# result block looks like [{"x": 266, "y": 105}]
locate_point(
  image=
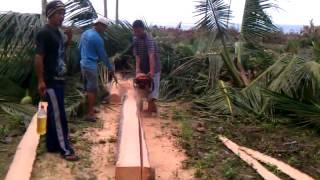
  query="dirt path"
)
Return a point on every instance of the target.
[
  {"x": 96, "y": 147},
  {"x": 165, "y": 154}
]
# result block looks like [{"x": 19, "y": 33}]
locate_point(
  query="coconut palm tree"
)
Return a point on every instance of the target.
[
  {"x": 105, "y": 5},
  {"x": 117, "y": 11},
  {"x": 43, "y": 11},
  {"x": 215, "y": 15}
]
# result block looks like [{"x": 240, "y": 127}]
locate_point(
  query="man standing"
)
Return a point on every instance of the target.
[
  {"x": 51, "y": 70},
  {"x": 92, "y": 49},
  {"x": 147, "y": 57}
]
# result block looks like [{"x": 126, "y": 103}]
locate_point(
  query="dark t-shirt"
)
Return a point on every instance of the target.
[
  {"x": 50, "y": 44},
  {"x": 142, "y": 47}
]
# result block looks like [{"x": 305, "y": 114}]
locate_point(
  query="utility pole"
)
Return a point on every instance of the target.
[
  {"x": 43, "y": 11},
  {"x": 117, "y": 11},
  {"x": 105, "y": 3}
]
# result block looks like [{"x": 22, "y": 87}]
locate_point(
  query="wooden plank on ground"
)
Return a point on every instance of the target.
[
  {"x": 132, "y": 163},
  {"x": 265, "y": 173},
  {"x": 287, "y": 169},
  {"x": 21, "y": 166}
]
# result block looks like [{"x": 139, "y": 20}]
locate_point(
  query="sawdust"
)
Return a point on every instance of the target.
[{"x": 164, "y": 152}]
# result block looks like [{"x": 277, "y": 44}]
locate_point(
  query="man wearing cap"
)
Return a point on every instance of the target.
[
  {"x": 51, "y": 69},
  {"x": 147, "y": 57},
  {"x": 92, "y": 49}
]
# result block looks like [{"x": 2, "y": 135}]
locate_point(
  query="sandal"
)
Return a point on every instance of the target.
[
  {"x": 71, "y": 157},
  {"x": 91, "y": 118},
  {"x": 96, "y": 110}
]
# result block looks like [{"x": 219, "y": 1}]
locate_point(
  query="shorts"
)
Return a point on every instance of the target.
[
  {"x": 156, "y": 85},
  {"x": 90, "y": 80}
]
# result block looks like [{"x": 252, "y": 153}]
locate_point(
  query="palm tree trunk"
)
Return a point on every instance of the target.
[
  {"x": 240, "y": 47},
  {"x": 117, "y": 11},
  {"x": 229, "y": 11},
  {"x": 230, "y": 65},
  {"x": 105, "y": 3},
  {"x": 43, "y": 11}
]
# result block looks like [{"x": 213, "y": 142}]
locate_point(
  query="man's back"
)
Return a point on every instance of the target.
[{"x": 90, "y": 43}]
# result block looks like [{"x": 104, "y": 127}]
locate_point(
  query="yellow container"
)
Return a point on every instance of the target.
[
  {"x": 42, "y": 121},
  {"x": 42, "y": 125}
]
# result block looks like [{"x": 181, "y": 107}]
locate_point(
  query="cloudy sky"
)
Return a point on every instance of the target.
[{"x": 171, "y": 12}]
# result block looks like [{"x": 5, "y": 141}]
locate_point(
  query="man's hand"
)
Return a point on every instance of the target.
[
  {"x": 42, "y": 88},
  {"x": 68, "y": 33},
  {"x": 151, "y": 74},
  {"x": 138, "y": 70},
  {"x": 113, "y": 76}
]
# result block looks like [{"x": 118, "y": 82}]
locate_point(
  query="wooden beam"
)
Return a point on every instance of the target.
[
  {"x": 132, "y": 159},
  {"x": 265, "y": 173},
  {"x": 21, "y": 166}
]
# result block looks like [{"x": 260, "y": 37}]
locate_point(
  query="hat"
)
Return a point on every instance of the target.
[
  {"x": 53, "y": 7},
  {"x": 138, "y": 24},
  {"x": 101, "y": 20}
]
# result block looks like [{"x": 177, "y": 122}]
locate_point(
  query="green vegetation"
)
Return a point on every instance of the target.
[{"x": 259, "y": 86}]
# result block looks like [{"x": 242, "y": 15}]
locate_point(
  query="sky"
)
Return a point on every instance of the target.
[{"x": 171, "y": 12}]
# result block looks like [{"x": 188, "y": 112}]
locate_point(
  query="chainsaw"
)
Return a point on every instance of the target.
[
  {"x": 143, "y": 85},
  {"x": 143, "y": 82}
]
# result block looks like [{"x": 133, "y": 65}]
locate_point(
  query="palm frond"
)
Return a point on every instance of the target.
[
  {"x": 17, "y": 34},
  {"x": 250, "y": 101},
  {"x": 22, "y": 112},
  {"x": 307, "y": 112},
  {"x": 256, "y": 22},
  {"x": 214, "y": 16},
  {"x": 213, "y": 102},
  {"x": 118, "y": 38},
  {"x": 79, "y": 13}
]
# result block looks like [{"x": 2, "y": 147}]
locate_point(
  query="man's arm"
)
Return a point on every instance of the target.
[
  {"x": 138, "y": 62},
  {"x": 102, "y": 54},
  {"x": 152, "y": 63},
  {"x": 138, "y": 59},
  {"x": 40, "y": 71},
  {"x": 151, "y": 45},
  {"x": 68, "y": 33},
  {"x": 39, "y": 62}
]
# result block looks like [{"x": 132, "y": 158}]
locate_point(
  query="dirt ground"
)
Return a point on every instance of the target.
[
  {"x": 11, "y": 132},
  {"x": 165, "y": 154},
  {"x": 295, "y": 145},
  {"x": 94, "y": 143},
  {"x": 96, "y": 146}
]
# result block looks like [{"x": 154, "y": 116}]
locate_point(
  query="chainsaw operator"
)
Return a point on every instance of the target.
[{"x": 147, "y": 58}]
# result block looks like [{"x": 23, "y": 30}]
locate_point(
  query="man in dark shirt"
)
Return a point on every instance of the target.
[
  {"x": 147, "y": 57},
  {"x": 51, "y": 69}
]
